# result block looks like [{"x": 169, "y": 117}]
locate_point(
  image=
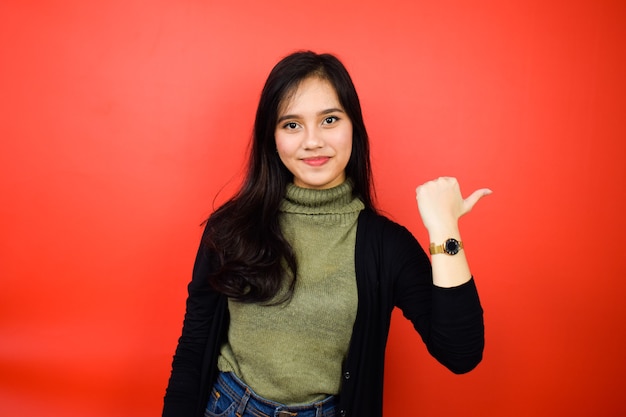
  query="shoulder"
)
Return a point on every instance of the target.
[
  {"x": 369, "y": 220},
  {"x": 387, "y": 252},
  {"x": 377, "y": 227}
]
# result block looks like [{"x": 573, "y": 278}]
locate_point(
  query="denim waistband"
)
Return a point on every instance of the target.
[{"x": 254, "y": 405}]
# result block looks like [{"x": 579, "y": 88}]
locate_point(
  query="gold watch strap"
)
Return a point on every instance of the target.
[{"x": 435, "y": 248}]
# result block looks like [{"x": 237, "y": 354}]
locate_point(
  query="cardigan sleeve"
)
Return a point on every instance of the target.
[
  {"x": 449, "y": 320},
  {"x": 183, "y": 392}
]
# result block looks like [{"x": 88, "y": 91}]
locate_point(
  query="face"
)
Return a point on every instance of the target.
[{"x": 314, "y": 135}]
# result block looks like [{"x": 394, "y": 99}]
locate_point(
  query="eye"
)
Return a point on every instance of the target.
[
  {"x": 330, "y": 120},
  {"x": 290, "y": 125}
]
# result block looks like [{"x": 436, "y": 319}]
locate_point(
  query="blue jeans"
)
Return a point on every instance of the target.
[{"x": 230, "y": 397}]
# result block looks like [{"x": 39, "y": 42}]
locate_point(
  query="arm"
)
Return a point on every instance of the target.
[
  {"x": 183, "y": 390},
  {"x": 448, "y": 314},
  {"x": 449, "y": 320}
]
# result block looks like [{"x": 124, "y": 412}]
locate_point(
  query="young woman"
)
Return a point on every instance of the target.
[{"x": 297, "y": 275}]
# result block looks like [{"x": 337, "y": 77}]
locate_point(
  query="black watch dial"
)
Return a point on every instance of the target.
[{"x": 451, "y": 247}]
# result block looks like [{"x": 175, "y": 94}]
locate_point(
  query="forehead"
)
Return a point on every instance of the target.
[{"x": 310, "y": 93}]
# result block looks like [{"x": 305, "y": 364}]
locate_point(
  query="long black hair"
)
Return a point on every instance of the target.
[{"x": 254, "y": 257}]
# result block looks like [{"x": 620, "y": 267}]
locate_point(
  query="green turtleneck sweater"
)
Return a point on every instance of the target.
[{"x": 292, "y": 353}]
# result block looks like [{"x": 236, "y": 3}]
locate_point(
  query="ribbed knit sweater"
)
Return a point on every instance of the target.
[{"x": 292, "y": 353}]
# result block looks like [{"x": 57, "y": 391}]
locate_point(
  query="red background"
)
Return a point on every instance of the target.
[{"x": 120, "y": 121}]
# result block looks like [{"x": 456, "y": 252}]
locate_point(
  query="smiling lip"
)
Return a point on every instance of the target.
[{"x": 316, "y": 161}]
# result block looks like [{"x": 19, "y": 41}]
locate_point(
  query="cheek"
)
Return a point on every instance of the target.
[
  {"x": 284, "y": 148},
  {"x": 279, "y": 142},
  {"x": 281, "y": 148},
  {"x": 346, "y": 141}
]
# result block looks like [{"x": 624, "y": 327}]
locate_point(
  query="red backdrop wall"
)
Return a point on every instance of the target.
[{"x": 120, "y": 122}]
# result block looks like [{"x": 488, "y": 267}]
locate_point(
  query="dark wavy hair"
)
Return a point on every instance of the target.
[{"x": 254, "y": 257}]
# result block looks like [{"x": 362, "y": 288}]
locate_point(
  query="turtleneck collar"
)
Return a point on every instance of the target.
[{"x": 336, "y": 200}]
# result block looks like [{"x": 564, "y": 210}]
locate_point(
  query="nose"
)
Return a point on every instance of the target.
[{"x": 313, "y": 139}]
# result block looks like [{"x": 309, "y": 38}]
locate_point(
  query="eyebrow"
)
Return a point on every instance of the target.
[{"x": 323, "y": 112}]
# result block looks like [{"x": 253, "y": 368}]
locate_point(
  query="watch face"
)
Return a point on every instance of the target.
[{"x": 452, "y": 247}]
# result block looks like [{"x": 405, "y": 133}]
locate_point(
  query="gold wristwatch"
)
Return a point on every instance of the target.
[{"x": 450, "y": 247}]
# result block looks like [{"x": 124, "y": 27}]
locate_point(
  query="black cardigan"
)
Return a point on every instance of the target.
[{"x": 392, "y": 270}]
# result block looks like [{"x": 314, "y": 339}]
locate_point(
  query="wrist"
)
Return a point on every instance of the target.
[
  {"x": 441, "y": 233},
  {"x": 450, "y": 247}
]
